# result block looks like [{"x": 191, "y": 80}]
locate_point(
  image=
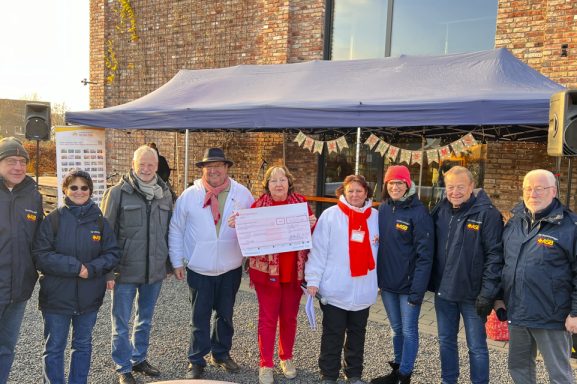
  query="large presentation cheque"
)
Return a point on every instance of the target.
[{"x": 267, "y": 230}]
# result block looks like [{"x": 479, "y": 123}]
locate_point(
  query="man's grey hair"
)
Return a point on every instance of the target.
[
  {"x": 459, "y": 170},
  {"x": 143, "y": 149},
  {"x": 551, "y": 180}
]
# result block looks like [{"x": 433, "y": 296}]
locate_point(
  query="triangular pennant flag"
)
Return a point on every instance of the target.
[
  {"x": 445, "y": 152},
  {"x": 332, "y": 146},
  {"x": 300, "y": 138},
  {"x": 382, "y": 147},
  {"x": 309, "y": 143},
  {"x": 393, "y": 153},
  {"x": 342, "y": 143},
  {"x": 432, "y": 156},
  {"x": 458, "y": 146},
  {"x": 469, "y": 140},
  {"x": 417, "y": 157},
  {"x": 372, "y": 141},
  {"x": 405, "y": 156},
  {"x": 319, "y": 145}
]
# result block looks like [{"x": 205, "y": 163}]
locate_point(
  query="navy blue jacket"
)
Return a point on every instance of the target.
[
  {"x": 20, "y": 215},
  {"x": 59, "y": 258},
  {"x": 540, "y": 272},
  {"x": 469, "y": 249},
  {"x": 406, "y": 247}
]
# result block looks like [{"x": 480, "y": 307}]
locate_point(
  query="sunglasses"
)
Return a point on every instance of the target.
[{"x": 75, "y": 188}]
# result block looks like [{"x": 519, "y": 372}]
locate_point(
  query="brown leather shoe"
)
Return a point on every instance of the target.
[{"x": 227, "y": 363}]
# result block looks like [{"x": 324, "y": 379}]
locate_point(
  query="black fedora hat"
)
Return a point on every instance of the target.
[{"x": 212, "y": 155}]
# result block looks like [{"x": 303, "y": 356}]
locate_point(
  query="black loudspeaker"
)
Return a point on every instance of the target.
[
  {"x": 562, "y": 138},
  {"x": 37, "y": 121}
]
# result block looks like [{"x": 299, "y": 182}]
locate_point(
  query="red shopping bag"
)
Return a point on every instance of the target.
[{"x": 496, "y": 330}]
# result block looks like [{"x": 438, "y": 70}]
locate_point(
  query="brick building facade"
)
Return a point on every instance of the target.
[{"x": 137, "y": 46}]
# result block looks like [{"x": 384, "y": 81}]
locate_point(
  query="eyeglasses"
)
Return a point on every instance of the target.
[
  {"x": 280, "y": 181},
  {"x": 539, "y": 191},
  {"x": 215, "y": 166},
  {"x": 75, "y": 188},
  {"x": 14, "y": 162},
  {"x": 397, "y": 184}
]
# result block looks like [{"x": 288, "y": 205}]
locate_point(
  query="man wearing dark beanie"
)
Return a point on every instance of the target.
[{"x": 20, "y": 214}]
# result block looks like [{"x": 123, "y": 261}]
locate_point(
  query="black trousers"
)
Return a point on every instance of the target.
[{"x": 342, "y": 329}]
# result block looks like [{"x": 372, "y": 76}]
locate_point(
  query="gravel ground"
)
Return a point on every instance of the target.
[{"x": 170, "y": 338}]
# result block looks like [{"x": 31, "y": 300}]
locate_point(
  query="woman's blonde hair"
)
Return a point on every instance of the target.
[{"x": 278, "y": 168}]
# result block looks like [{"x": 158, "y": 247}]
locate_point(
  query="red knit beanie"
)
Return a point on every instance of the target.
[{"x": 398, "y": 172}]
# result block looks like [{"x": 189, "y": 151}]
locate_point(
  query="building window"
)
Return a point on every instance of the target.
[{"x": 380, "y": 28}]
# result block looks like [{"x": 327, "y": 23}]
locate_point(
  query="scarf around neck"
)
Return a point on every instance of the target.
[
  {"x": 360, "y": 253},
  {"x": 150, "y": 190},
  {"x": 211, "y": 197}
]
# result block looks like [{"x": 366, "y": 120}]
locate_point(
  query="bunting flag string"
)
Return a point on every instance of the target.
[
  {"x": 317, "y": 146},
  {"x": 376, "y": 144}
]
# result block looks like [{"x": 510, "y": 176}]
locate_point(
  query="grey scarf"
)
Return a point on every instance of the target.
[{"x": 151, "y": 189}]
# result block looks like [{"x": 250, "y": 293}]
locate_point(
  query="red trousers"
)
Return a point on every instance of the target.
[{"x": 277, "y": 304}]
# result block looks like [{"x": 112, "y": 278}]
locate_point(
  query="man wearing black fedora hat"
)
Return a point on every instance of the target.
[{"x": 212, "y": 257}]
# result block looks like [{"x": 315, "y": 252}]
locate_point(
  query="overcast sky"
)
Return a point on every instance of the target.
[{"x": 45, "y": 50}]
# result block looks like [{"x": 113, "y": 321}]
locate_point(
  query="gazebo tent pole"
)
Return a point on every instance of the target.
[
  {"x": 185, "y": 178},
  {"x": 358, "y": 154},
  {"x": 423, "y": 141}
]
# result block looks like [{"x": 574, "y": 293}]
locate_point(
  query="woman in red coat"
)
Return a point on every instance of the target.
[{"x": 277, "y": 280}]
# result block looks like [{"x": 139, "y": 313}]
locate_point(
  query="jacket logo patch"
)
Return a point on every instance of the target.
[
  {"x": 96, "y": 236},
  {"x": 31, "y": 215},
  {"x": 473, "y": 225},
  {"x": 402, "y": 227},
  {"x": 545, "y": 242}
]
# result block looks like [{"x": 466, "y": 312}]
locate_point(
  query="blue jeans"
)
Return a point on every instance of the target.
[
  {"x": 448, "y": 314},
  {"x": 404, "y": 321},
  {"x": 208, "y": 294},
  {"x": 56, "y": 329},
  {"x": 129, "y": 350},
  {"x": 11, "y": 316}
]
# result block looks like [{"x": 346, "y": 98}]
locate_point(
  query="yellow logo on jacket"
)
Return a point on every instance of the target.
[
  {"x": 473, "y": 226},
  {"x": 96, "y": 236},
  {"x": 545, "y": 242},
  {"x": 30, "y": 217},
  {"x": 402, "y": 227}
]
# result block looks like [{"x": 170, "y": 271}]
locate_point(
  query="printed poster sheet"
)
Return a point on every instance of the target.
[
  {"x": 267, "y": 230},
  {"x": 84, "y": 148}
]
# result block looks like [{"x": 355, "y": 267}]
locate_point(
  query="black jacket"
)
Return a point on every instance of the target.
[
  {"x": 540, "y": 273},
  {"x": 20, "y": 214},
  {"x": 406, "y": 247},
  {"x": 79, "y": 240},
  {"x": 469, "y": 250}
]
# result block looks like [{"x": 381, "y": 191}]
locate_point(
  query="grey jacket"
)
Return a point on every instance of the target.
[
  {"x": 20, "y": 214},
  {"x": 141, "y": 228}
]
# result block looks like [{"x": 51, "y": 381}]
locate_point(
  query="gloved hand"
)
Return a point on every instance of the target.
[{"x": 484, "y": 307}]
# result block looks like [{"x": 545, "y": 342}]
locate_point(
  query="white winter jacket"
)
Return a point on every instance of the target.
[
  {"x": 192, "y": 236},
  {"x": 328, "y": 266}
]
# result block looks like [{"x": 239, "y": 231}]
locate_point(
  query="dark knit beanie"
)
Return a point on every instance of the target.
[{"x": 11, "y": 146}]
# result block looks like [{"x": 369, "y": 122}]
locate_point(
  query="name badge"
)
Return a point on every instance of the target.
[{"x": 357, "y": 236}]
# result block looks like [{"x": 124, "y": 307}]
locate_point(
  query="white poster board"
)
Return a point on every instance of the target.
[
  {"x": 267, "y": 230},
  {"x": 81, "y": 147}
]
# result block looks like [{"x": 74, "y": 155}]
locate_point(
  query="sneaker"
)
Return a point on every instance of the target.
[
  {"x": 265, "y": 375},
  {"x": 355, "y": 380},
  {"x": 288, "y": 368},
  {"x": 147, "y": 369},
  {"x": 227, "y": 363},
  {"x": 195, "y": 371},
  {"x": 126, "y": 378}
]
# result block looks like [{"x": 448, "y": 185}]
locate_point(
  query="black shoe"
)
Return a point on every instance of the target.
[
  {"x": 227, "y": 363},
  {"x": 126, "y": 378},
  {"x": 391, "y": 378},
  {"x": 195, "y": 371},
  {"x": 145, "y": 367}
]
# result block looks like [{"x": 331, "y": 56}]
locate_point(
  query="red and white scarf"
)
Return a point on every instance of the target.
[
  {"x": 211, "y": 197},
  {"x": 360, "y": 254}
]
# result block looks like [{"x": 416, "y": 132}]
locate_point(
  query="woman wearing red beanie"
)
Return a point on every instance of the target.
[{"x": 404, "y": 261}]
